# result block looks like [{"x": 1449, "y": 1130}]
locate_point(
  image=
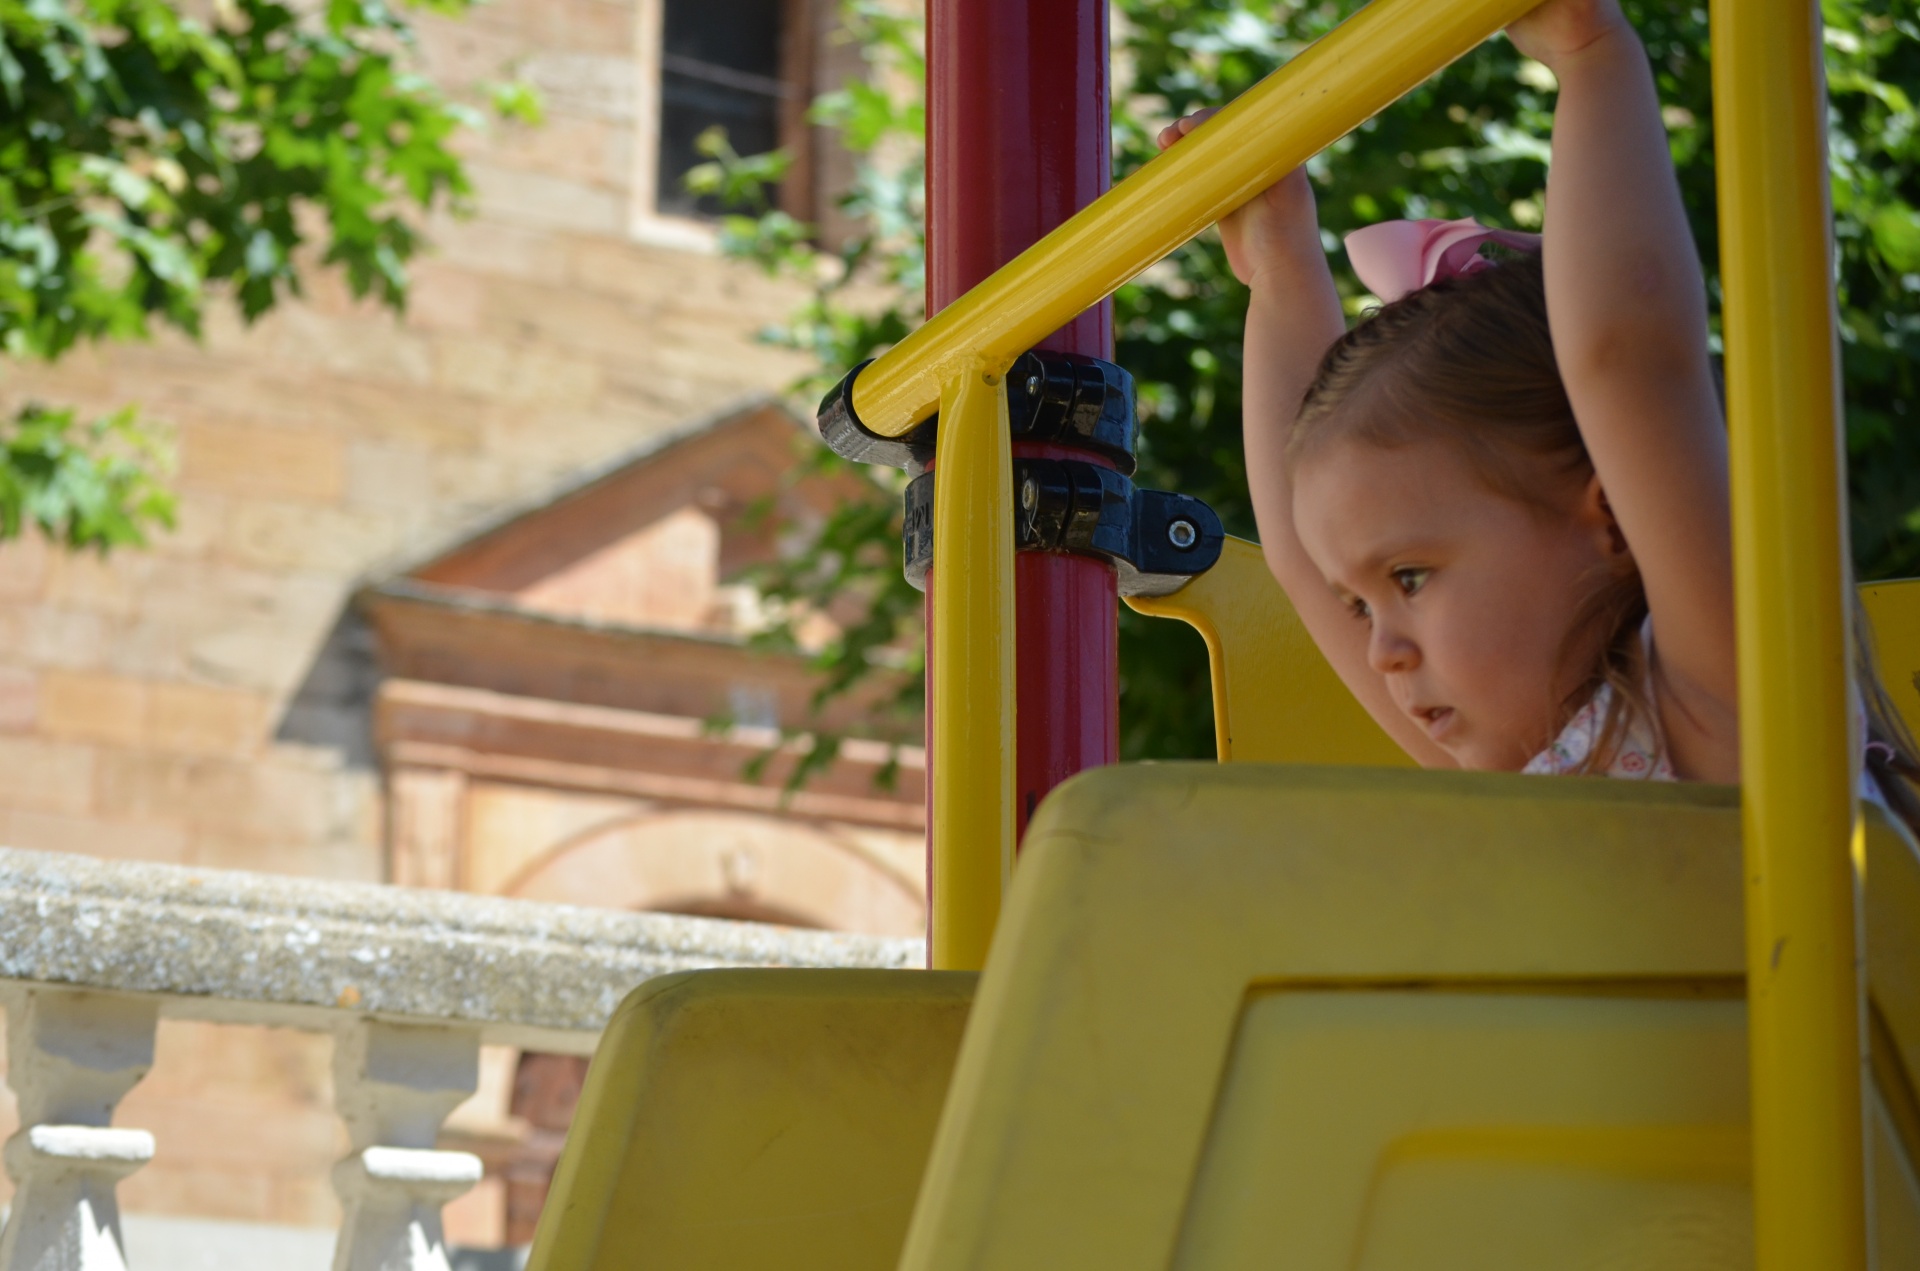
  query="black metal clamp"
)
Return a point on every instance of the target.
[{"x": 1155, "y": 539}]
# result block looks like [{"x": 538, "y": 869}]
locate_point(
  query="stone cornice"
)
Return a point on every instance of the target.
[
  {"x": 225, "y": 945},
  {"x": 566, "y": 746}
]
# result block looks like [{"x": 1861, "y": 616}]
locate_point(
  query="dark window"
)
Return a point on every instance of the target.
[{"x": 720, "y": 64}]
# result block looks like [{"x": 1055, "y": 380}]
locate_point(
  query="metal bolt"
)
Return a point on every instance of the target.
[
  {"x": 1183, "y": 534},
  {"x": 1029, "y": 494},
  {"x": 1033, "y": 385}
]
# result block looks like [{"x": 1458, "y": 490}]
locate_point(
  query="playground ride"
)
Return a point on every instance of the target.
[{"x": 1294, "y": 1014}]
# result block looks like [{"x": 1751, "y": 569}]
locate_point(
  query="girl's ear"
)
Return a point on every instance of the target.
[{"x": 1597, "y": 513}]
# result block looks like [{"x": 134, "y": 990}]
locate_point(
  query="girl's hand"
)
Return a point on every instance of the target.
[
  {"x": 1276, "y": 231},
  {"x": 1559, "y": 29},
  {"x": 1293, "y": 316}
]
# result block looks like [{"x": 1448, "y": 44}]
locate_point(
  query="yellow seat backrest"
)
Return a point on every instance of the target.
[
  {"x": 755, "y": 1120},
  {"x": 1243, "y": 1016},
  {"x": 1276, "y": 700},
  {"x": 1893, "y": 612}
]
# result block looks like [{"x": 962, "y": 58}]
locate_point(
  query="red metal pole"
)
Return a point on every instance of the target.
[{"x": 1018, "y": 140}]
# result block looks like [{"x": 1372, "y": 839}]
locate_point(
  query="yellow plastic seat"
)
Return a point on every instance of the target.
[
  {"x": 1337, "y": 1018},
  {"x": 742, "y": 1119}
]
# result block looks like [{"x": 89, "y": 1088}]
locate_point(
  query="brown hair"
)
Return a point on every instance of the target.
[{"x": 1469, "y": 361}]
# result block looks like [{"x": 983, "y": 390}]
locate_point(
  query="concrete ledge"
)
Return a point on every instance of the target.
[{"x": 256, "y": 948}]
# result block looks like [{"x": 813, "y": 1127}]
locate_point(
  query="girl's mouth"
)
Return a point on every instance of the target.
[{"x": 1437, "y": 720}]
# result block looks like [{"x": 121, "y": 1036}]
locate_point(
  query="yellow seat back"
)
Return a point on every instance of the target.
[
  {"x": 1327, "y": 1019},
  {"x": 755, "y": 1120},
  {"x": 1275, "y": 699}
]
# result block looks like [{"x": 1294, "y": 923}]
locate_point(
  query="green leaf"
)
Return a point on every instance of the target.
[
  {"x": 1896, "y": 234},
  {"x": 215, "y": 145},
  {"x": 517, "y": 100},
  {"x": 95, "y": 485},
  {"x": 150, "y": 163}
]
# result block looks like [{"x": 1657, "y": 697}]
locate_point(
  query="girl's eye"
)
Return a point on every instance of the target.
[
  {"x": 1411, "y": 580},
  {"x": 1358, "y": 608}
]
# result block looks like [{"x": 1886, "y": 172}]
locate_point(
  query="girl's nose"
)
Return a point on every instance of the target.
[{"x": 1388, "y": 650}]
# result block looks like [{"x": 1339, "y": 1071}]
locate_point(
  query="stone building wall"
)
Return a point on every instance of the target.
[
  {"x": 140, "y": 693},
  {"x": 144, "y": 696}
]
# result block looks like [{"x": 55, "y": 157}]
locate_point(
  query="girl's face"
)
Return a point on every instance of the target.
[{"x": 1468, "y": 597}]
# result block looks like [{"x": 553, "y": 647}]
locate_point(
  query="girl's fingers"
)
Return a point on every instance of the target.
[{"x": 1184, "y": 125}]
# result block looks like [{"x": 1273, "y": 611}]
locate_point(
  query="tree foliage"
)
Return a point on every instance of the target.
[
  {"x": 91, "y": 485},
  {"x": 1472, "y": 140},
  {"x": 152, "y": 163},
  {"x": 864, "y": 295}
]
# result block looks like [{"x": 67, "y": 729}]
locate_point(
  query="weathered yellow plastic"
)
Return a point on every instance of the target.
[
  {"x": 755, "y": 1120},
  {"x": 1275, "y": 699},
  {"x": 1336, "y": 1018},
  {"x": 1893, "y": 613},
  {"x": 1373, "y": 1019}
]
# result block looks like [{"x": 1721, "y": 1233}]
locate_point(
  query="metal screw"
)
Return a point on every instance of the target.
[
  {"x": 1183, "y": 534},
  {"x": 1033, "y": 385},
  {"x": 1029, "y": 494}
]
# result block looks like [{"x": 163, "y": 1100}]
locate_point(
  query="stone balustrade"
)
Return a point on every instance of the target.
[{"x": 410, "y": 983}]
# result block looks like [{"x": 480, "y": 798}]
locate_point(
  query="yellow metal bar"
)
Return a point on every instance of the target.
[
  {"x": 972, "y": 667},
  {"x": 1358, "y": 69},
  {"x": 1789, "y": 558}
]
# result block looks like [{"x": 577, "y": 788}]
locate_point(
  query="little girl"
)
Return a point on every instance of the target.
[{"x": 1500, "y": 502}]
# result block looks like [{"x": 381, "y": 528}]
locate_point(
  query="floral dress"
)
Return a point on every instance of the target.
[{"x": 1640, "y": 755}]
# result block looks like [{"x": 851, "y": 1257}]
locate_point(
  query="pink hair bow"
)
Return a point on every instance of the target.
[{"x": 1395, "y": 258}]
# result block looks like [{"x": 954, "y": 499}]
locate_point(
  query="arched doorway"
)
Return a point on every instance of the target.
[{"x": 725, "y": 864}]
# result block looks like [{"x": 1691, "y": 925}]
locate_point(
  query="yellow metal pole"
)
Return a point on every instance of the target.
[
  {"x": 1358, "y": 69},
  {"x": 1790, "y": 566},
  {"x": 972, "y": 667}
]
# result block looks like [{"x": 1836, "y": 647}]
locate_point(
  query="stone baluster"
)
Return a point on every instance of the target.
[
  {"x": 395, "y": 1085},
  {"x": 71, "y": 1057}
]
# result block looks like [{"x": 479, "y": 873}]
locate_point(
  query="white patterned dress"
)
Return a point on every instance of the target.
[{"x": 1640, "y": 754}]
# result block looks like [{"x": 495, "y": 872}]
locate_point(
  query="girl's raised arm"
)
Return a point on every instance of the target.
[
  {"x": 1627, "y": 305},
  {"x": 1293, "y": 318}
]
